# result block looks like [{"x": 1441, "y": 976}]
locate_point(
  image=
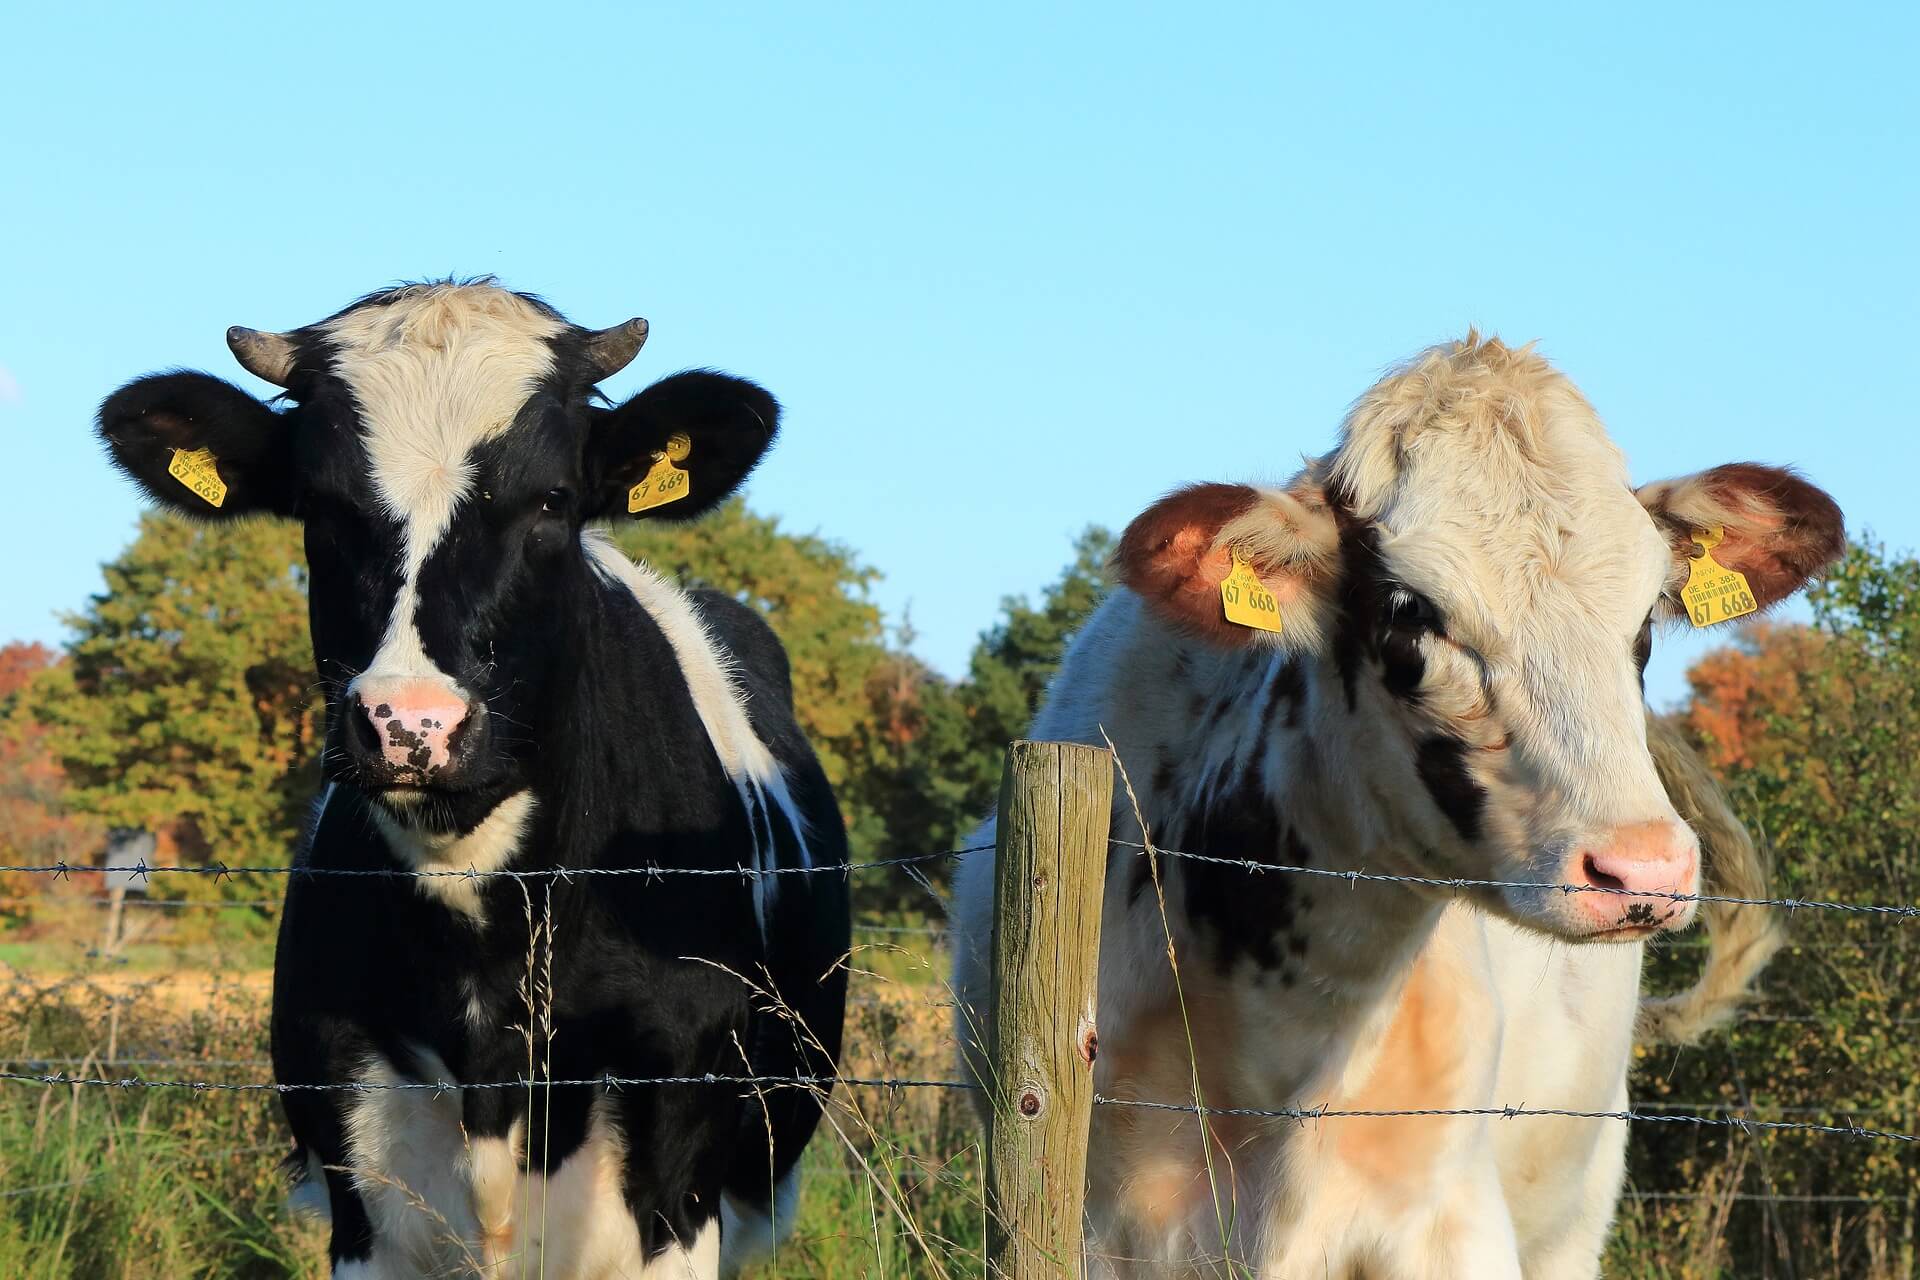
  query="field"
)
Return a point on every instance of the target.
[{"x": 98, "y": 1182}]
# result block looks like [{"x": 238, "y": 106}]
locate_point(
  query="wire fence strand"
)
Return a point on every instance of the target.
[
  {"x": 1705, "y": 1115},
  {"x": 221, "y": 871},
  {"x": 1456, "y": 884},
  {"x": 1514, "y": 1113}
]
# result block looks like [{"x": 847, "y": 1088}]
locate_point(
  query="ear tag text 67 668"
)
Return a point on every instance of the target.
[
  {"x": 1715, "y": 593},
  {"x": 195, "y": 469},
  {"x": 1246, "y": 600},
  {"x": 663, "y": 482}
]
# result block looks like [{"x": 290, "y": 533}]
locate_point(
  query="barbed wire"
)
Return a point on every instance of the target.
[
  {"x": 1457, "y": 883},
  {"x": 1694, "y": 1114},
  {"x": 1511, "y": 1113},
  {"x": 612, "y": 1082},
  {"x": 1253, "y": 866},
  {"x": 221, "y": 871},
  {"x": 1761, "y": 1197},
  {"x": 826, "y": 1083}
]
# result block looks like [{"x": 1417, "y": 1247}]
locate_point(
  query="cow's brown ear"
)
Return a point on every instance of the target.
[
  {"x": 1177, "y": 553},
  {"x": 1779, "y": 529}
]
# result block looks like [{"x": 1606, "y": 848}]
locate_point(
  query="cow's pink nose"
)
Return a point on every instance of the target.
[
  {"x": 407, "y": 723},
  {"x": 1659, "y": 858}
]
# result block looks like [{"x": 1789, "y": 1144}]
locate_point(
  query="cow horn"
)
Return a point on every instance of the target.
[
  {"x": 268, "y": 356},
  {"x": 611, "y": 350}
]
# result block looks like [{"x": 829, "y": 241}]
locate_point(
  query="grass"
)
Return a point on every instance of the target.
[
  {"x": 103, "y": 1183},
  {"x": 126, "y": 1185}
]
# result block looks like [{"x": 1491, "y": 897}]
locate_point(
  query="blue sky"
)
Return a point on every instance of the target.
[{"x": 1010, "y": 270}]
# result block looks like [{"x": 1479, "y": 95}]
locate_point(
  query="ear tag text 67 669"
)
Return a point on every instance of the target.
[
  {"x": 663, "y": 482},
  {"x": 1246, "y": 600},
  {"x": 1715, "y": 593},
  {"x": 195, "y": 469}
]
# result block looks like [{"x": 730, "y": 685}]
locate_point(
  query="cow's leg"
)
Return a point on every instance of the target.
[
  {"x": 1478, "y": 1229},
  {"x": 326, "y": 1189},
  {"x": 351, "y": 1247},
  {"x": 1573, "y": 1252},
  {"x": 672, "y": 1171},
  {"x": 696, "y": 1259}
]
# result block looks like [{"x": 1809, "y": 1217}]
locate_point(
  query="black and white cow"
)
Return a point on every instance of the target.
[{"x": 506, "y": 691}]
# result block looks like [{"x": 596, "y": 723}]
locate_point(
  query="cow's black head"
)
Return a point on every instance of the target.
[{"x": 443, "y": 444}]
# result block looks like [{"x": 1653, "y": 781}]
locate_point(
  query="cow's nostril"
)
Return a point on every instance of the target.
[
  {"x": 366, "y": 736},
  {"x": 1599, "y": 878}
]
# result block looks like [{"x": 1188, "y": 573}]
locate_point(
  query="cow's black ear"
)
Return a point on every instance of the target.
[
  {"x": 677, "y": 449},
  {"x": 200, "y": 445}
]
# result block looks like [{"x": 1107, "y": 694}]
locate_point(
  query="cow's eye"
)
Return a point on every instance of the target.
[
  {"x": 556, "y": 503},
  {"x": 1412, "y": 610}
]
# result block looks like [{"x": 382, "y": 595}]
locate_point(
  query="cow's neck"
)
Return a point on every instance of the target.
[{"x": 1255, "y": 758}]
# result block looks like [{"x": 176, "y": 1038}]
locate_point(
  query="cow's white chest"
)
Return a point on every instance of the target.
[{"x": 444, "y": 1203}]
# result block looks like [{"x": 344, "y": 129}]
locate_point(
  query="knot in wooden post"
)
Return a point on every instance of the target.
[{"x": 1056, "y": 801}]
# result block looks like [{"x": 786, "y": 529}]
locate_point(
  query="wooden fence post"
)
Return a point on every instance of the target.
[{"x": 1049, "y": 879}]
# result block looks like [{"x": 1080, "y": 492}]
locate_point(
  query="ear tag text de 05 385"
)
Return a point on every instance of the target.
[
  {"x": 663, "y": 482},
  {"x": 195, "y": 469},
  {"x": 1715, "y": 593},
  {"x": 1246, "y": 599}
]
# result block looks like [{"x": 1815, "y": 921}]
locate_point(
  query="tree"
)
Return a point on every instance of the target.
[
  {"x": 37, "y": 824},
  {"x": 1739, "y": 690},
  {"x": 953, "y": 737},
  {"x": 1817, "y": 734},
  {"x": 187, "y": 706}
]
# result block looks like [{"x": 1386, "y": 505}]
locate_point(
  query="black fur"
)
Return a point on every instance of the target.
[
  {"x": 146, "y": 421},
  {"x": 1241, "y": 914},
  {"x": 731, "y": 421},
  {"x": 1442, "y": 766}
]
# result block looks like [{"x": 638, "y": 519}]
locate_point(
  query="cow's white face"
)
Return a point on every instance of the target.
[
  {"x": 442, "y": 445},
  {"x": 1475, "y": 582}
]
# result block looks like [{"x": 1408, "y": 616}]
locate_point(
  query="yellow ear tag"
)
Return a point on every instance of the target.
[
  {"x": 664, "y": 482},
  {"x": 1246, "y": 599},
  {"x": 194, "y": 468},
  {"x": 1715, "y": 593}
]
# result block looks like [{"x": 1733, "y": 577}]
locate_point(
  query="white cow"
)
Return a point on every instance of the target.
[{"x": 1465, "y": 589}]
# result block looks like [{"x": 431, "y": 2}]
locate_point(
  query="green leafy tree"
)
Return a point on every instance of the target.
[
  {"x": 953, "y": 737},
  {"x": 1827, "y": 731},
  {"x": 185, "y": 705}
]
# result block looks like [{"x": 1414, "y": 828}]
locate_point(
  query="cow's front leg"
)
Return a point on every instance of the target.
[
  {"x": 1473, "y": 1236},
  {"x": 324, "y": 1189},
  {"x": 678, "y": 1143}
]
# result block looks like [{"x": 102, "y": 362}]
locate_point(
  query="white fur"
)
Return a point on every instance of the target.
[
  {"x": 445, "y": 1204},
  {"x": 435, "y": 371},
  {"x": 490, "y": 846}
]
